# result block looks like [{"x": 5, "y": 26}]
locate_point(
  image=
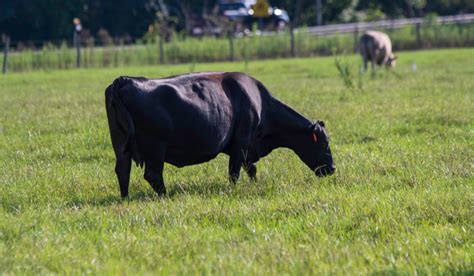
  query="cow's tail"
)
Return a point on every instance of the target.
[{"x": 113, "y": 94}]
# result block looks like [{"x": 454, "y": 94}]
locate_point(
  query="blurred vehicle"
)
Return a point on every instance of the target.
[{"x": 241, "y": 11}]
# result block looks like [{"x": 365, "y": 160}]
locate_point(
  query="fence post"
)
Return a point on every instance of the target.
[
  {"x": 356, "y": 39},
  {"x": 231, "y": 45},
  {"x": 292, "y": 41},
  {"x": 6, "y": 40},
  {"x": 418, "y": 34},
  {"x": 77, "y": 44},
  {"x": 77, "y": 40},
  {"x": 162, "y": 50}
]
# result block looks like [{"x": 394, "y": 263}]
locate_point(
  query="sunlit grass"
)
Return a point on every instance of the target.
[{"x": 400, "y": 201}]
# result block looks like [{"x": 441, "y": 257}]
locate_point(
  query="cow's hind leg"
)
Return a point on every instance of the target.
[
  {"x": 123, "y": 161},
  {"x": 123, "y": 165}
]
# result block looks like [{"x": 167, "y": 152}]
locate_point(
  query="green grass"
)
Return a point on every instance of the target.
[{"x": 400, "y": 202}]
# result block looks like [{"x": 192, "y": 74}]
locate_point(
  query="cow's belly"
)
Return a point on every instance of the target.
[
  {"x": 192, "y": 153},
  {"x": 197, "y": 145},
  {"x": 187, "y": 159}
]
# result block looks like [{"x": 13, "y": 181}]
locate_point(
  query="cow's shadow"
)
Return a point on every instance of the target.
[
  {"x": 111, "y": 199},
  {"x": 144, "y": 193},
  {"x": 203, "y": 189}
]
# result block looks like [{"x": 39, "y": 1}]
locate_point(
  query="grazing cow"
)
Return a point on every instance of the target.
[
  {"x": 190, "y": 119},
  {"x": 376, "y": 47}
]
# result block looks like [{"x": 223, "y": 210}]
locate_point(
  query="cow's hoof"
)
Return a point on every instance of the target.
[
  {"x": 161, "y": 192},
  {"x": 233, "y": 179}
]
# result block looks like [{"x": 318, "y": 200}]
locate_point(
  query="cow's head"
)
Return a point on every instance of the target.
[
  {"x": 316, "y": 153},
  {"x": 392, "y": 60}
]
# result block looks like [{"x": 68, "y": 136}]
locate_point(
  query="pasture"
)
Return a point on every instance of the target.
[{"x": 400, "y": 201}]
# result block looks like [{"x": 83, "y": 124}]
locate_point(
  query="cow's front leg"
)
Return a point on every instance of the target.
[
  {"x": 236, "y": 160},
  {"x": 373, "y": 58},
  {"x": 249, "y": 163},
  {"x": 154, "y": 175},
  {"x": 251, "y": 170},
  {"x": 364, "y": 58},
  {"x": 154, "y": 169}
]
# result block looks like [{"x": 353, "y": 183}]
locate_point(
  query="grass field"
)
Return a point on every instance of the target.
[{"x": 401, "y": 200}]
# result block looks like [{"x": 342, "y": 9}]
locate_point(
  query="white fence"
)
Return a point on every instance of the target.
[{"x": 386, "y": 24}]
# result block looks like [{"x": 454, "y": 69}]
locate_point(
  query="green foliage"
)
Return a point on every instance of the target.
[
  {"x": 399, "y": 203},
  {"x": 374, "y": 14},
  {"x": 344, "y": 72},
  {"x": 431, "y": 18}
]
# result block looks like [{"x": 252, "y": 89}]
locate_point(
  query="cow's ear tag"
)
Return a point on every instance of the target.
[{"x": 315, "y": 139}]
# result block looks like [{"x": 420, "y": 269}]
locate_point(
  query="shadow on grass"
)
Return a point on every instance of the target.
[
  {"x": 111, "y": 199},
  {"x": 241, "y": 189},
  {"x": 206, "y": 189}
]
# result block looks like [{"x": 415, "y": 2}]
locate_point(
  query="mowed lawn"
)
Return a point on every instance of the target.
[{"x": 401, "y": 200}]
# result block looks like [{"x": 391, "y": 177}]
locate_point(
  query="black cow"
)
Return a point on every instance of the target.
[{"x": 190, "y": 119}]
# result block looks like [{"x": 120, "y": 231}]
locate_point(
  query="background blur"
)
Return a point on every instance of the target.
[{"x": 40, "y": 34}]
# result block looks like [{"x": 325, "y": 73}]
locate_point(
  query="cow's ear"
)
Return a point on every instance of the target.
[
  {"x": 312, "y": 132},
  {"x": 321, "y": 123}
]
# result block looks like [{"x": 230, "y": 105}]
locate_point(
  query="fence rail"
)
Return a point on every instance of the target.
[{"x": 386, "y": 24}]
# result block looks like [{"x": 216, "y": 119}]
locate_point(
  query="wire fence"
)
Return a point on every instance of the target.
[{"x": 417, "y": 33}]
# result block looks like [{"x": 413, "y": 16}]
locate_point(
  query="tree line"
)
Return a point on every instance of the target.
[{"x": 51, "y": 20}]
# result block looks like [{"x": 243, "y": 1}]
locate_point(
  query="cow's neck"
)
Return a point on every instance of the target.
[
  {"x": 286, "y": 119},
  {"x": 288, "y": 129}
]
